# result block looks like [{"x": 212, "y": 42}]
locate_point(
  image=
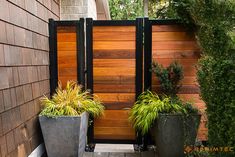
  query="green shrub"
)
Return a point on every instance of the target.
[
  {"x": 169, "y": 77},
  {"x": 170, "y": 82},
  {"x": 217, "y": 84},
  {"x": 147, "y": 108},
  {"x": 213, "y": 22},
  {"x": 71, "y": 101}
]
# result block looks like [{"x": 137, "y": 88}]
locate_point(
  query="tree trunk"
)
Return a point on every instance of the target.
[{"x": 146, "y": 2}]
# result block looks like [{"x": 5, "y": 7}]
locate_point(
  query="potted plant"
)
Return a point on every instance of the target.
[
  {"x": 64, "y": 120},
  {"x": 165, "y": 118},
  {"x": 170, "y": 82}
]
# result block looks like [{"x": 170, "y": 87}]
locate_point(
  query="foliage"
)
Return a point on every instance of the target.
[
  {"x": 71, "y": 101},
  {"x": 217, "y": 83},
  {"x": 190, "y": 109},
  {"x": 148, "y": 107},
  {"x": 213, "y": 22},
  {"x": 152, "y": 9},
  {"x": 132, "y": 9},
  {"x": 165, "y": 10},
  {"x": 188, "y": 106},
  {"x": 126, "y": 9},
  {"x": 169, "y": 77}
]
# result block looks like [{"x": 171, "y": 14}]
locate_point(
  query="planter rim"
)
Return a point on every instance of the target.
[
  {"x": 171, "y": 114},
  {"x": 195, "y": 114},
  {"x": 78, "y": 116}
]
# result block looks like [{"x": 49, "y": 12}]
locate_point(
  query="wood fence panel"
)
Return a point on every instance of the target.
[
  {"x": 114, "y": 80},
  {"x": 174, "y": 42},
  {"x": 67, "y": 53}
]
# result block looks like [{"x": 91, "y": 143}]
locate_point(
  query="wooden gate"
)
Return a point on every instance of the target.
[
  {"x": 114, "y": 67},
  {"x": 114, "y": 62}
]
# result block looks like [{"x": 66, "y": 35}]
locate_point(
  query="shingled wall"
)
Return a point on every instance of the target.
[{"x": 24, "y": 72}]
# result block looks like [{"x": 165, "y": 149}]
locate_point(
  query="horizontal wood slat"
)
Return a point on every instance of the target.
[
  {"x": 109, "y": 122},
  {"x": 114, "y": 45},
  {"x": 116, "y": 133},
  {"x": 176, "y": 54},
  {"x": 122, "y": 71},
  {"x": 114, "y": 124},
  {"x": 66, "y": 46},
  {"x": 66, "y": 37},
  {"x": 122, "y": 80},
  {"x": 114, "y": 88},
  {"x": 118, "y": 105},
  {"x": 172, "y": 36},
  {"x": 129, "y": 29},
  {"x": 114, "y": 54},
  {"x": 174, "y": 45},
  {"x": 185, "y": 89},
  {"x": 114, "y": 36},
  {"x": 195, "y": 98},
  {"x": 65, "y": 79},
  {"x": 116, "y": 97},
  {"x": 66, "y": 29},
  {"x": 168, "y": 28},
  {"x": 116, "y": 63}
]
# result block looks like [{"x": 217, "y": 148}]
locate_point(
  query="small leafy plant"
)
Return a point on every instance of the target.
[
  {"x": 190, "y": 108},
  {"x": 147, "y": 109},
  {"x": 71, "y": 101},
  {"x": 169, "y": 77}
]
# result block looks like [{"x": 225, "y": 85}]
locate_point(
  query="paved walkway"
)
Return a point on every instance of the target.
[
  {"x": 127, "y": 148},
  {"x": 119, "y": 154}
]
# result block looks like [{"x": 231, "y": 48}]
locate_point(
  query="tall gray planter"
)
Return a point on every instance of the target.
[
  {"x": 65, "y": 136},
  {"x": 169, "y": 135},
  {"x": 191, "y": 125}
]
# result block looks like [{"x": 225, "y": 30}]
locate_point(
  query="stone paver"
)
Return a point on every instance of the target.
[
  {"x": 127, "y": 148},
  {"x": 118, "y": 154}
]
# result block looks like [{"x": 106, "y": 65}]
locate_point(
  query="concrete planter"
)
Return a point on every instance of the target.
[
  {"x": 65, "y": 136},
  {"x": 191, "y": 125},
  {"x": 169, "y": 135}
]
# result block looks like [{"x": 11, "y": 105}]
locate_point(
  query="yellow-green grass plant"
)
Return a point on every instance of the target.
[
  {"x": 147, "y": 109},
  {"x": 71, "y": 101}
]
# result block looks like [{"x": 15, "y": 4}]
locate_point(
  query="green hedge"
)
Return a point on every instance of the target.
[
  {"x": 217, "y": 83},
  {"x": 213, "y": 22}
]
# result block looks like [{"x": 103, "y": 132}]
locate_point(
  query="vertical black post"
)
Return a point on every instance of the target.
[
  {"x": 139, "y": 66},
  {"x": 89, "y": 51},
  {"x": 80, "y": 52},
  {"x": 53, "y": 56},
  {"x": 89, "y": 67},
  {"x": 147, "y": 54},
  {"x": 139, "y": 57},
  {"x": 147, "y": 67}
]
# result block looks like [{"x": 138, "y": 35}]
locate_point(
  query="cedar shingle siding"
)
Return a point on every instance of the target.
[{"x": 24, "y": 72}]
